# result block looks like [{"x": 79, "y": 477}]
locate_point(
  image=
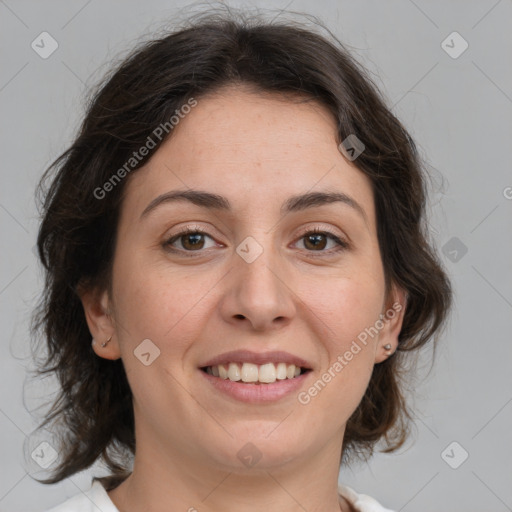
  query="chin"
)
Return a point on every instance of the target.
[{"x": 261, "y": 445}]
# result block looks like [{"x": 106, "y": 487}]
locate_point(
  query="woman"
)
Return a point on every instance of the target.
[{"x": 236, "y": 272}]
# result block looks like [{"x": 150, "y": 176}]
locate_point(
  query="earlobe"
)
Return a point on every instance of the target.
[
  {"x": 392, "y": 319},
  {"x": 106, "y": 353},
  {"x": 101, "y": 326}
]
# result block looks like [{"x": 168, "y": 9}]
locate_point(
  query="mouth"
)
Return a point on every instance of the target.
[
  {"x": 256, "y": 377},
  {"x": 255, "y": 374}
]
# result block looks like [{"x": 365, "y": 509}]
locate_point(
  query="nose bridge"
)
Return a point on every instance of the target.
[{"x": 258, "y": 291}]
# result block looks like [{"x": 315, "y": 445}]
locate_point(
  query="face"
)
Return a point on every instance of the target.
[{"x": 260, "y": 271}]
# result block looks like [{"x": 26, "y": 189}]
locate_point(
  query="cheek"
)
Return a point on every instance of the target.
[
  {"x": 158, "y": 303},
  {"x": 345, "y": 312},
  {"x": 345, "y": 305},
  {"x": 348, "y": 308},
  {"x": 161, "y": 307}
]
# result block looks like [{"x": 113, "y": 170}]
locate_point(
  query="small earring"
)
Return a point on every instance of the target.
[
  {"x": 104, "y": 344},
  {"x": 387, "y": 347}
]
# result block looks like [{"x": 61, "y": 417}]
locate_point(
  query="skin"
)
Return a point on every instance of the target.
[{"x": 257, "y": 150}]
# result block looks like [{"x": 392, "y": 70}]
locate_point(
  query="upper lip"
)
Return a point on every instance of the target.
[{"x": 247, "y": 356}]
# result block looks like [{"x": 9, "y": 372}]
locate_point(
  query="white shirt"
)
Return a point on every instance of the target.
[{"x": 96, "y": 499}]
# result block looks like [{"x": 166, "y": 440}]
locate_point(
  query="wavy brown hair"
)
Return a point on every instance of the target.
[{"x": 93, "y": 412}]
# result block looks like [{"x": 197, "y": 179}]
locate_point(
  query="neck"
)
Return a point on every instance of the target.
[{"x": 161, "y": 482}]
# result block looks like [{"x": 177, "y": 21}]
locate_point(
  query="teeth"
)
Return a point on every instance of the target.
[
  {"x": 267, "y": 373},
  {"x": 223, "y": 373},
  {"x": 234, "y": 372},
  {"x": 249, "y": 372},
  {"x": 281, "y": 371}
]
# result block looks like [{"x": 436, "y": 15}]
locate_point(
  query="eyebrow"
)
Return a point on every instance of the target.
[{"x": 292, "y": 204}]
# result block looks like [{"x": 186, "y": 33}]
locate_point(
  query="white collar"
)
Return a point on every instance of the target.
[{"x": 360, "y": 502}]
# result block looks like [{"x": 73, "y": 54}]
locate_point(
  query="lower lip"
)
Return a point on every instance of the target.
[{"x": 257, "y": 393}]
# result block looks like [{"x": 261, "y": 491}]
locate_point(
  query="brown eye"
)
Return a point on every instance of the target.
[
  {"x": 317, "y": 241},
  {"x": 191, "y": 240}
]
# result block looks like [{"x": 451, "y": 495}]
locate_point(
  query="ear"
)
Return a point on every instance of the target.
[
  {"x": 392, "y": 317},
  {"x": 97, "y": 309}
]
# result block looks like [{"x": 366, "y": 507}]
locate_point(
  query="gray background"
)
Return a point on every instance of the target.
[{"x": 458, "y": 110}]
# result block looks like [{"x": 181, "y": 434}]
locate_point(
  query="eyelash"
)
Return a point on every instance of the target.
[{"x": 342, "y": 244}]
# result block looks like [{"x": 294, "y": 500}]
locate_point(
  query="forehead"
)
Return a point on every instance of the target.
[{"x": 257, "y": 149}]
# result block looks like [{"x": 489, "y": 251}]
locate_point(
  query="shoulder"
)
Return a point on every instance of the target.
[
  {"x": 361, "y": 502},
  {"x": 95, "y": 499}
]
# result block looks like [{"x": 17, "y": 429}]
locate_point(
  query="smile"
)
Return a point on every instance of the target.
[{"x": 253, "y": 373}]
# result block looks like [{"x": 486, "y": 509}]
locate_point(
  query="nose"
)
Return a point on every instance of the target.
[{"x": 259, "y": 295}]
